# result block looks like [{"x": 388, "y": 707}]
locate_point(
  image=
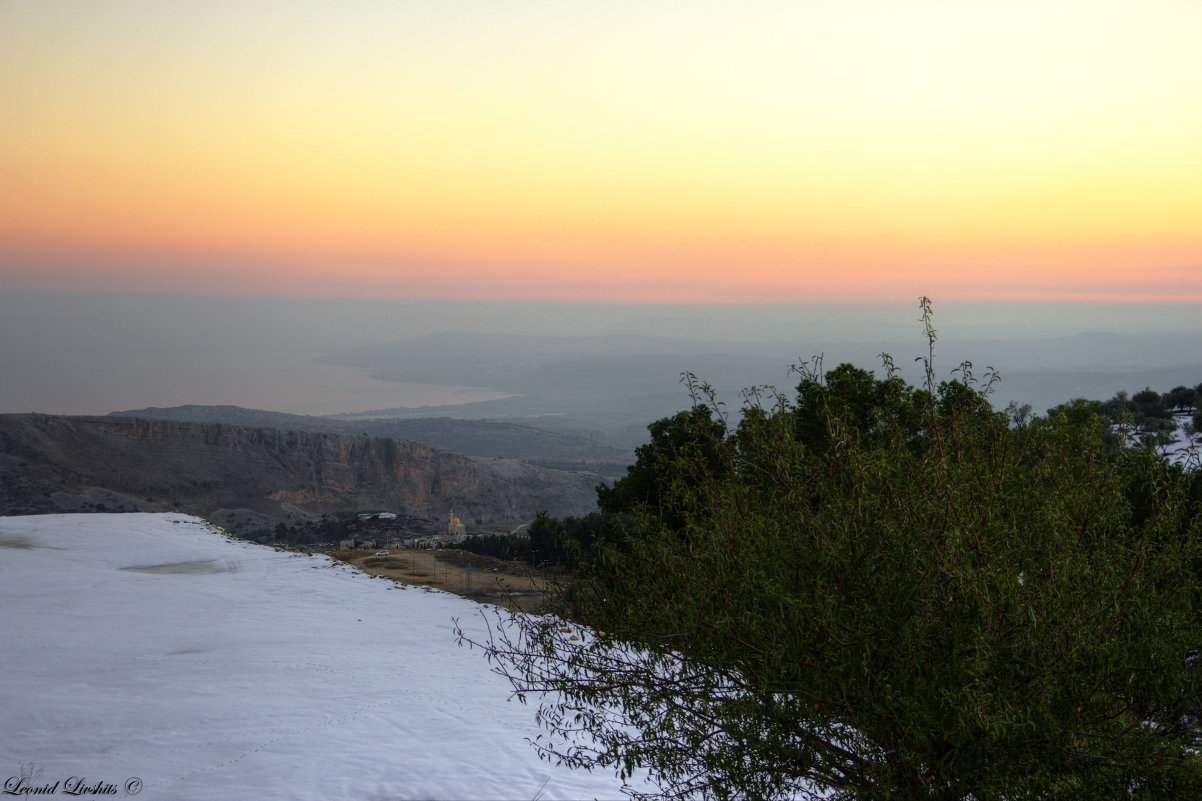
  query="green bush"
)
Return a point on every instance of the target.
[{"x": 882, "y": 592}]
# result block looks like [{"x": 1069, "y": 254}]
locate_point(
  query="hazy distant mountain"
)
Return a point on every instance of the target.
[
  {"x": 573, "y": 368},
  {"x": 620, "y": 383},
  {"x": 91, "y": 353}
]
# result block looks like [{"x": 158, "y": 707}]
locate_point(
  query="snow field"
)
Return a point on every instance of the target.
[{"x": 153, "y": 646}]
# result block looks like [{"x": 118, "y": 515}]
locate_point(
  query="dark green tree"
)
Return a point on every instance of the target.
[
  {"x": 1181, "y": 399},
  {"x": 687, "y": 445},
  {"x": 1150, "y": 404},
  {"x": 850, "y": 402},
  {"x": 1119, "y": 407},
  {"x": 958, "y": 609}
]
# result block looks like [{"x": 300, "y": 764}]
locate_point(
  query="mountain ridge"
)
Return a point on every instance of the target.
[{"x": 247, "y": 478}]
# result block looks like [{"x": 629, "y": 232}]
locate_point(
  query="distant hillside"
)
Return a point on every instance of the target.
[
  {"x": 580, "y": 448},
  {"x": 618, "y": 384},
  {"x": 247, "y": 478}
]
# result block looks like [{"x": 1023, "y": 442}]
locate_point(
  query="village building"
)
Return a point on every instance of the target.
[{"x": 456, "y": 531}]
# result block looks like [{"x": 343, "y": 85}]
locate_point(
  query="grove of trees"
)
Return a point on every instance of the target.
[
  {"x": 1150, "y": 415},
  {"x": 873, "y": 590}
]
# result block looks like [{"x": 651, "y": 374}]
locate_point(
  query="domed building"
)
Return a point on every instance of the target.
[{"x": 456, "y": 531}]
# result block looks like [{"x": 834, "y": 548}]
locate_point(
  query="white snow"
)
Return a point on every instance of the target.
[
  {"x": 153, "y": 646},
  {"x": 1182, "y": 450}
]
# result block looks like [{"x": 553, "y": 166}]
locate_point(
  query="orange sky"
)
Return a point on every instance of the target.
[{"x": 796, "y": 151}]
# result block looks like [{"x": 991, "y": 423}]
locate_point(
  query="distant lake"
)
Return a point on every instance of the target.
[
  {"x": 281, "y": 382},
  {"x": 88, "y": 353}
]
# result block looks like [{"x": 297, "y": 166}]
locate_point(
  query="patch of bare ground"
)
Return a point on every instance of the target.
[
  {"x": 483, "y": 579},
  {"x": 204, "y": 566}
]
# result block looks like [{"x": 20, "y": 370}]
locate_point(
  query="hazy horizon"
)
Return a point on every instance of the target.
[
  {"x": 84, "y": 353},
  {"x": 200, "y": 198}
]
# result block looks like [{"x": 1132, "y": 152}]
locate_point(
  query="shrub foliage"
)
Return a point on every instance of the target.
[{"x": 878, "y": 591}]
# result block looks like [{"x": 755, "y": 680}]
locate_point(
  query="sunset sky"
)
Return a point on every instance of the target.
[{"x": 622, "y": 151}]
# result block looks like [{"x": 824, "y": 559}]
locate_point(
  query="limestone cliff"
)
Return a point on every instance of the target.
[{"x": 245, "y": 476}]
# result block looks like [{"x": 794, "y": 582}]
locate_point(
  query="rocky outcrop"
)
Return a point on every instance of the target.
[
  {"x": 55, "y": 463},
  {"x": 562, "y": 443}
]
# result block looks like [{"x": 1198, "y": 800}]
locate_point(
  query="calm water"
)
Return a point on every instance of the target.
[{"x": 277, "y": 382}]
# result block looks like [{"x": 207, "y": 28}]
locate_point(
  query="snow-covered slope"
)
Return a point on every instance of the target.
[{"x": 152, "y": 646}]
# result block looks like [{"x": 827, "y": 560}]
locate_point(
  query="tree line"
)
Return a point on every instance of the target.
[
  {"x": 1151, "y": 415},
  {"x": 546, "y": 542}
]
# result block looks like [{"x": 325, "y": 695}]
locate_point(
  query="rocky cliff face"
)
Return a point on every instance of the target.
[{"x": 245, "y": 477}]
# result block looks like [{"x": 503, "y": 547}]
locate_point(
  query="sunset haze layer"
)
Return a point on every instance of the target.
[{"x": 605, "y": 151}]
